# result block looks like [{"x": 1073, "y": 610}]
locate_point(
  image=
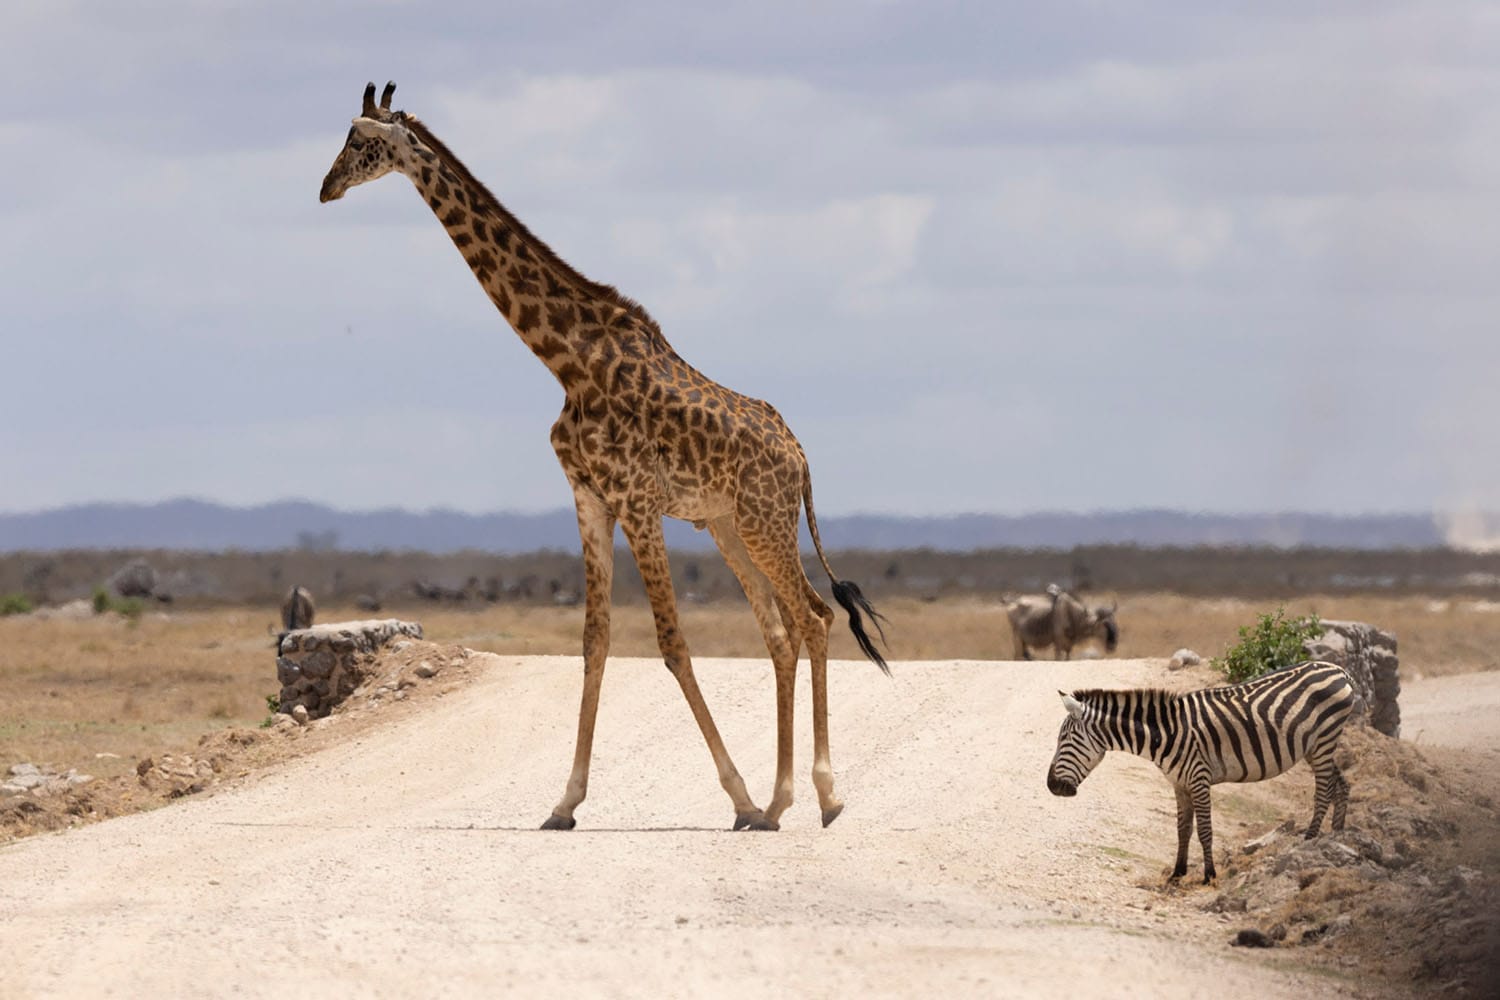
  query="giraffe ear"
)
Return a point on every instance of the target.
[{"x": 1073, "y": 705}]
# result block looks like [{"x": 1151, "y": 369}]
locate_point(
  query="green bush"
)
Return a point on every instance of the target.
[
  {"x": 14, "y": 604},
  {"x": 130, "y": 607},
  {"x": 1273, "y": 642}
]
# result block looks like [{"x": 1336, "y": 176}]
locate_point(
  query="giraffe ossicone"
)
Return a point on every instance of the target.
[{"x": 642, "y": 435}]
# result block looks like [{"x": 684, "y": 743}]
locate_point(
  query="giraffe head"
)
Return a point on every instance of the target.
[{"x": 378, "y": 143}]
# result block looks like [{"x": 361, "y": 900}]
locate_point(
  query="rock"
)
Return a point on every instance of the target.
[
  {"x": 1267, "y": 839},
  {"x": 1252, "y": 938},
  {"x": 426, "y": 669},
  {"x": 320, "y": 667},
  {"x": 1184, "y": 658},
  {"x": 1368, "y": 655},
  {"x": 299, "y": 714}
]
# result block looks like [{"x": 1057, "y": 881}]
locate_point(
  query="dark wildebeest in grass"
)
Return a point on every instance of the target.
[
  {"x": 1059, "y": 620},
  {"x": 297, "y": 610}
]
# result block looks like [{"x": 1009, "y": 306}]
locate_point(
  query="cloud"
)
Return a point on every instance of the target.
[{"x": 1222, "y": 258}]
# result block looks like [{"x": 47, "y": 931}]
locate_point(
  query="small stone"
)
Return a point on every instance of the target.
[
  {"x": 20, "y": 770},
  {"x": 425, "y": 669},
  {"x": 400, "y": 695},
  {"x": 1264, "y": 840},
  {"x": 1184, "y": 658},
  {"x": 299, "y": 715}
]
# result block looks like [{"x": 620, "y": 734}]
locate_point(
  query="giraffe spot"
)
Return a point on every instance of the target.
[
  {"x": 523, "y": 252},
  {"x": 426, "y": 175},
  {"x": 500, "y": 234},
  {"x": 462, "y": 240},
  {"x": 435, "y": 203},
  {"x": 479, "y": 231},
  {"x": 530, "y": 315},
  {"x": 443, "y": 190},
  {"x": 561, "y": 318},
  {"x": 570, "y": 375},
  {"x": 454, "y": 217}
]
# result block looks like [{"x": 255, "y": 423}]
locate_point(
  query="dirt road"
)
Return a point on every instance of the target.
[{"x": 406, "y": 862}]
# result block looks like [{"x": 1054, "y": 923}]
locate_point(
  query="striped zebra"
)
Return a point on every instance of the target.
[{"x": 1243, "y": 732}]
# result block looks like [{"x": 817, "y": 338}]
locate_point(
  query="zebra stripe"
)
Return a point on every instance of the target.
[{"x": 1242, "y": 732}]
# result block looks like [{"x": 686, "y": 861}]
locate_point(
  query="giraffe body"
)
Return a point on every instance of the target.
[{"x": 642, "y": 435}]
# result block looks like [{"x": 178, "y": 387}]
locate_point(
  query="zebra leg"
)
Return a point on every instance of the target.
[
  {"x": 1202, "y": 802},
  {"x": 1331, "y": 789},
  {"x": 1340, "y": 800},
  {"x": 1184, "y": 829}
]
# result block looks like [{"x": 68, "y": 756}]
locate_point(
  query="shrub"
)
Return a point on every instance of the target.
[
  {"x": 14, "y": 604},
  {"x": 1273, "y": 642},
  {"x": 130, "y": 607}
]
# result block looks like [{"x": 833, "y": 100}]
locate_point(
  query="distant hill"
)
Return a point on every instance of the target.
[{"x": 204, "y": 526}]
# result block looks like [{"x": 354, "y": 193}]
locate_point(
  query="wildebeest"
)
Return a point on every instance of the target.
[
  {"x": 297, "y": 609},
  {"x": 1058, "y": 619}
]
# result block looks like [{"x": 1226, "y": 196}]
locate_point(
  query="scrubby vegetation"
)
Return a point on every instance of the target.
[{"x": 1273, "y": 642}]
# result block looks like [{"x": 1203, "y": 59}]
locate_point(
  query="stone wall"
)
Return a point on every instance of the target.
[
  {"x": 319, "y": 667},
  {"x": 1368, "y": 655}
]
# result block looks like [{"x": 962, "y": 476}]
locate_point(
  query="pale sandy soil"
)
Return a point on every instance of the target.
[{"x": 406, "y": 861}]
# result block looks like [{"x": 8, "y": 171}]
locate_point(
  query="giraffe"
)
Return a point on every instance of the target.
[{"x": 642, "y": 435}]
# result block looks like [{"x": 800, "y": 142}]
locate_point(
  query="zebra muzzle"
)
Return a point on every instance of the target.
[{"x": 1057, "y": 786}]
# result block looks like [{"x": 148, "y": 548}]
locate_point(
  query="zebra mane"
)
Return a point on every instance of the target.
[{"x": 1096, "y": 695}]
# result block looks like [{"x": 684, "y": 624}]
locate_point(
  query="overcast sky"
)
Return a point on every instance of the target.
[{"x": 984, "y": 257}]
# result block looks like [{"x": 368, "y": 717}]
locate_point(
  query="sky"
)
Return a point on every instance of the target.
[{"x": 1001, "y": 257}]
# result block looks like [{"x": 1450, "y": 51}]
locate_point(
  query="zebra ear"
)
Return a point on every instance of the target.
[{"x": 1072, "y": 704}]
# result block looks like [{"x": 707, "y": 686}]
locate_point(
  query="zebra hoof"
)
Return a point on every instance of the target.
[
  {"x": 832, "y": 813},
  {"x": 755, "y": 821},
  {"x": 556, "y": 822}
]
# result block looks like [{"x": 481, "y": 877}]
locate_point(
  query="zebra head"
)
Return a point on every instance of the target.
[{"x": 1080, "y": 748}]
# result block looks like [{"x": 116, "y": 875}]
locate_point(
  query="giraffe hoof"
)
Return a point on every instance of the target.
[
  {"x": 556, "y": 822},
  {"x": 755, "y": 821},
  {"x": 832, "y": 813}
]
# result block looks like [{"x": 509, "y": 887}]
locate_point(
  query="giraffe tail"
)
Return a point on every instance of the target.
[{"x": 847, "y": 592}]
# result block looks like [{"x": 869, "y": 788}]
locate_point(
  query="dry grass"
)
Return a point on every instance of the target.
[{"x": 106, "y": 685}]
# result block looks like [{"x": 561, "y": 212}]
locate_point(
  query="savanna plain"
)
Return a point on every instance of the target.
[{"x": 952, "y": 868}]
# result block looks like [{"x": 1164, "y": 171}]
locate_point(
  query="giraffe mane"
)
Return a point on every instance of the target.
[{"x": 544, "y": 253}]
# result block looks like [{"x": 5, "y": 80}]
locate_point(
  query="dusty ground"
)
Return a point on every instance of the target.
[{"x": 393, "y": 851}]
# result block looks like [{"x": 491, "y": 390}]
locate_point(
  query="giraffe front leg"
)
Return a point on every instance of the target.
[
  {"x": 645, "y": 537},
  {"x": 596, "y": 527}
]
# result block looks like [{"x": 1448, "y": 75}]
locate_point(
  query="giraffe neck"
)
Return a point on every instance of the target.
[{"x": 548, "y": 303}]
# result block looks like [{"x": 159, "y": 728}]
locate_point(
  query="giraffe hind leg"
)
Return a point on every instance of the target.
[
  {"x": 773, "y": 549},
  {"x": 783, "y": 641}
]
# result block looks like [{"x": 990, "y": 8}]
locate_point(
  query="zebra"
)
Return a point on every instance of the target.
[{"x": 1241, "y": 732}]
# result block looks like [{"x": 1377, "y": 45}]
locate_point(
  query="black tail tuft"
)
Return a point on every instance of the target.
[{"x": 851, "y": 600}]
